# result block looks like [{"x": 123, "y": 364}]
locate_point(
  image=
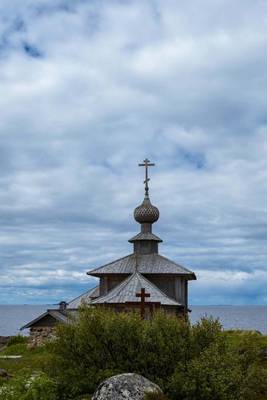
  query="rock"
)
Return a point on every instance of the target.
[
  {"x": 125, "y": 387},
  {"x": 4, "y": 374}
]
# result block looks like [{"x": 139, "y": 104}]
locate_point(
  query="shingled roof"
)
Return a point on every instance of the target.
[
  {"x": 85, "y": 298},
  {"x": 126, "y": 291},
  {"x": 147, "y": 264},
  {"x": 55, "y": 314}
]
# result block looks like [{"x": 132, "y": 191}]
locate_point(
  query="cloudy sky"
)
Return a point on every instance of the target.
[{"x": 90, "y": 88}]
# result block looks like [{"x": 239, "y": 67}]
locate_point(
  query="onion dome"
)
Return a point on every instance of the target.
[{"x": 146, "y": 212}]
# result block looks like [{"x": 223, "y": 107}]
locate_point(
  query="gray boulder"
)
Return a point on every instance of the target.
[{"x": 125, "y": 387}]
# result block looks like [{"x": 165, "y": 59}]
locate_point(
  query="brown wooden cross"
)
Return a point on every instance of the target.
[{"x": 143, "y": 296}]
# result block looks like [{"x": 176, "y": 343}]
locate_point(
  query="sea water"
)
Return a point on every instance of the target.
[{"x": 13, "y": 317}]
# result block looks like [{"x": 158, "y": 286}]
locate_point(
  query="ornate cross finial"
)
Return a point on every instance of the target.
[{"x": 146, "y": 163}]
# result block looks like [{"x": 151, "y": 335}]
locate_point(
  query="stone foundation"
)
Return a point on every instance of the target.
[{"x": 39, "y": 334}]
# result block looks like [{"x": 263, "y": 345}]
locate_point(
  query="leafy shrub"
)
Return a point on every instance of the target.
[
  {"x": 221, "y": 372},
  {"x": 187, "y": 362},
  {"x": 215, "y": 374}
]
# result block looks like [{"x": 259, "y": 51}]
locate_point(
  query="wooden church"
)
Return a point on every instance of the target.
[{"x": 141, "y": 281}]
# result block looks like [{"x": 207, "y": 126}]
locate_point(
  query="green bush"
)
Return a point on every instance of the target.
[
  {"x": 187, "y": 362},
  {"x": 214, "y": 374}
]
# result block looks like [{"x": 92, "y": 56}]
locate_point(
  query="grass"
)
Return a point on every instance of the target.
[
  {"x": 237, "y": 336},
  {"x": 32, "y": 360}
]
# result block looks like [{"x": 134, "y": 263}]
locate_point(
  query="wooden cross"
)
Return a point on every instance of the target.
[
  {"x": 143, "y": 296},
  {"x": 146, "y": 163}
]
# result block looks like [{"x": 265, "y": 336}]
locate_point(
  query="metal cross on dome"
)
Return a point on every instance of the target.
[{"x": 146, "y": 163}]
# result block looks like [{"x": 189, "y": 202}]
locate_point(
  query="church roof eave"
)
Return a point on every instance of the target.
[
  {"x": 145, "y": 236},
  {"x": 146, "y": 264}
]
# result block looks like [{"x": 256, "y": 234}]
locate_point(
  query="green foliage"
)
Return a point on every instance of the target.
[
  {"x": 96, "y": 347},
  {"x": 214, "y": 374},
  {"x": 15, "y": 349},
  {"x": 188, "y": 362},
  {"x": 18, "y": 339},
  {"x": 235, "y": 337},
  {"x": 35, "y": 387},
  {"x": 104, "y": 343},
  {"x": 221, "y": 371},
  {"x": 204, "y": 333}
]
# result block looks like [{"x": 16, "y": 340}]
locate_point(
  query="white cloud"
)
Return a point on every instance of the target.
[{"x": 90, "y": 88}]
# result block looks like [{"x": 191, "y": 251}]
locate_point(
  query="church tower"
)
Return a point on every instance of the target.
[
  {"x": 143, "y": 280},
  {"x": 121, "y": 279}
]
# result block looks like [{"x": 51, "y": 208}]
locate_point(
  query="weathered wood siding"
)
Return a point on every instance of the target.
[
  {"x": 114, "y": 281},
  {"x": 107, "y": 283},
  {"x": 164, "y": 283},
  {"x": 173, "y": 286}
]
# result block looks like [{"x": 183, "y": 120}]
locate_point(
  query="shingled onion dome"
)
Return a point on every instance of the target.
[{"x": 146, "y": 213}]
